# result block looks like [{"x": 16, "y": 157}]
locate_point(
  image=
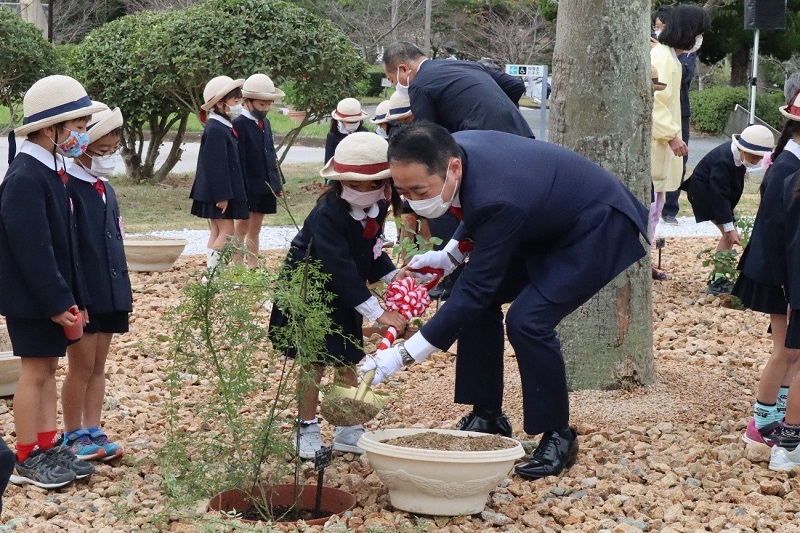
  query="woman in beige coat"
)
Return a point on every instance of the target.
[{"x": 685, "y": 25}]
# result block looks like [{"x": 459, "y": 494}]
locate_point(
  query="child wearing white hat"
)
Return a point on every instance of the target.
[
  {"x": 347, "y": 118},
  {"x": 259, "y": 160},
  {"x": 102, "y": 258},
  {"x": 42, "y": 290},
  {"x": 717, "y": 183},
  {"x": 400, "y": 109},
  {"x": 380, "y": 121},
  {"x": 218, "y": 191},
  {"x": 344, "y": 232}
]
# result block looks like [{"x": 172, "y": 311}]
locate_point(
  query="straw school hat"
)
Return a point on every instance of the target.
[
  {"x": 658, "y": 85},
  {"x": 104, "y": 122},
  {"x": 380, "y": 113},
  {"x": 399, "y": 106},
  {"x": 53, "y": 100},
  {"x": 361, "y": 156},
  {"x": 217, "y": 88},
  {"x": 756, "y": 140},
  {"x": 261, "y": 87},
  {"x": 349, "y": 110},
  {"x": 792, "y": 109}
]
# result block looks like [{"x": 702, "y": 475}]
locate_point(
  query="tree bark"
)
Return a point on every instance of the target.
[
  {"x": 740, "y": 67},
  {"x": 602, "y": 109}
]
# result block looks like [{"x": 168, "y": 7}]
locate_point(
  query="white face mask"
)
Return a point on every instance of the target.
[
  {"x": 362, "y": 200},
  {"x": 234, "y": 111},
  {"x": 102, "y": 165},
  {"x": 750, "y": 166},
  {"x": 436, "y": 206},
  {"x": 657, "y": 33},
  {"x": 382, "y": 132},
  {"x": 399, "y": 87}
]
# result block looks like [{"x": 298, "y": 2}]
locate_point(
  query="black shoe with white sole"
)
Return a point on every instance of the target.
[{"x": 39, "y": 469}]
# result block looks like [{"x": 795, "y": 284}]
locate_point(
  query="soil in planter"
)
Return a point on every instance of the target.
[
  {"x": 347, "y": 411},
  {"x": 431, "y": 440},
  {"x": 285, "y": 513}
]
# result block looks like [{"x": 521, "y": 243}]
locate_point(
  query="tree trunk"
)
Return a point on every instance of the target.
[
  {"x": 740, "y": 67},
  {"x": 602, "y": 109}
]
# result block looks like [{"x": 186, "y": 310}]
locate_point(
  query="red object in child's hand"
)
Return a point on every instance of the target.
[{"x": 75, "y": 331}]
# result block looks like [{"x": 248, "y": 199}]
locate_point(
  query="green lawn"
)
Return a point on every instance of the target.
[
  {"x": 281, "y": 125},
  {"x": 166, "y": 206}
]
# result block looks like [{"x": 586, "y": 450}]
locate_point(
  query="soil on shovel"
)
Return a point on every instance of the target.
[
  {"x": 347, "y": 411},
  {"x": 431, "y": 440}
]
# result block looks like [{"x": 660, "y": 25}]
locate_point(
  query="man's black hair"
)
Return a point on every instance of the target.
[
  {"x": 425, "y": 143},
  {"x": 401, "y": 52},
  {"x": 684, "y": 24}
]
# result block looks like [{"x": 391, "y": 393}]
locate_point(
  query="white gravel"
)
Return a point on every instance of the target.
[{"x": 279, "y": 237}]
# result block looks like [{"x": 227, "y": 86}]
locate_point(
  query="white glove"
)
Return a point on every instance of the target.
[
  {"x": 385, "y": 363},
  {"x": 434, "y": 259}
]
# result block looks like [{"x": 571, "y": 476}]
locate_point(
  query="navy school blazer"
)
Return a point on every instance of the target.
[
  {"x": 39, "y": 263},
  {"x": 219, "y": 167},
  {"x": 259, "y": 159},
  {"x": 100, "y": 245}
]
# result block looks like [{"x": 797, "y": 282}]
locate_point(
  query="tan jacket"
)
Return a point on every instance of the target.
[{"x": 666, "y": 167}]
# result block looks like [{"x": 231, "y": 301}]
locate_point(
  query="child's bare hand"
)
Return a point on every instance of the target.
[
  {"x": 393, "y": 319},
  {"x": 65, "y": 319},
  {"x": 85, "y": 316},
  {"x": 733, "y": 237},
  {"x": 223, "y": 205}
]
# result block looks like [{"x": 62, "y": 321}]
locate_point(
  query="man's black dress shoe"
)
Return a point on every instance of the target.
[
  {"x": 554, "y": 454},
  {"x": 498, "y": 425}
]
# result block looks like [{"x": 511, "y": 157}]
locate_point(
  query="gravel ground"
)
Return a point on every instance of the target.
[
  {"x": 667, "y": 457},
  {"x": 279, "y": 237}
]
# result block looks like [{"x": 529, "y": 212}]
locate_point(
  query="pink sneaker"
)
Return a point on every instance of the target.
[{"x": 767, "y": 435}]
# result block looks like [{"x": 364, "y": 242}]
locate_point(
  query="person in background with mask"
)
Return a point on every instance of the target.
[
  {"x": 41, "y": 286},
  {"x": 688, "y": 64},
  {"x": 716, "y": 185},
  {"x": 547, "y": 231},
  {"x": 103, "y": 265},
  {"x": 259, "y": 161},
  {"x": 218, "y": 191},
  {"x": 685, "y": 25},
  {"x": 382, "y": 124},
  {"x": 347, "y": 118},
  {"x": 459, "y": 95}
]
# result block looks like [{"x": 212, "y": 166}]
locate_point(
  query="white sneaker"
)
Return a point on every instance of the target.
[
  {"x": 310, "y": 441},
  {"x": 346, "y": 437},
  {"x": 783, "y": 460}
]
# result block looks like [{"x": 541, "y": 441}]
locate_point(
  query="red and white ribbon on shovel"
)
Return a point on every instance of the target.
[{"x": 407, "y": 297}]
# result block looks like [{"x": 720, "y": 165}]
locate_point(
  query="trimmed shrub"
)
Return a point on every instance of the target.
[{"x": 711, "y": 107}]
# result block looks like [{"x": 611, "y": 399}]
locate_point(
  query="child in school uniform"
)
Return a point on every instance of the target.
[
  {"x": 259, "y": 160},
  {"x": 400, "y": 109},
  {"x": 347, "y": 118},
  {"x": 344, "y": 231},
  {"x": 218, "y": 191},
  {"x": 41, "y": 286},
  {"x": 762, "y": 277},
  {"x": 102, "y": 259},
  {"x": 382, "y": 124},
  {"x": 716, "y": 185}
]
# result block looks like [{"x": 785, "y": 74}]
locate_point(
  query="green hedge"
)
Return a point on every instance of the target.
[{"x": 711, "y": 107}]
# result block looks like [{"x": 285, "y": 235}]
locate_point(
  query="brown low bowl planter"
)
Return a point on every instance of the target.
[{"x": 334, "y": 501}]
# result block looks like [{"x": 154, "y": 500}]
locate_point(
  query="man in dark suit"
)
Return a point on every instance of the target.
[
  {"x": 459, "y": 95},
  {"x": 548, "y": 231}
]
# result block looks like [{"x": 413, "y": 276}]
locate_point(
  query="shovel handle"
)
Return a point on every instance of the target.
[{"x": 363, "y": 387}]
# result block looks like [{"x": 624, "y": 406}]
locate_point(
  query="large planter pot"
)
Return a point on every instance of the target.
[
  {"x": 152, "y": 254},
  {"x": 334, "y": 501},
  {"x": 435, "y": 482},
  {"x": 9, "y": 365}
]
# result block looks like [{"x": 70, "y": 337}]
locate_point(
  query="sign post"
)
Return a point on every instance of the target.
[
  {"x": 322, "y": 459},
  {"x": 534, "y": 72}
]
